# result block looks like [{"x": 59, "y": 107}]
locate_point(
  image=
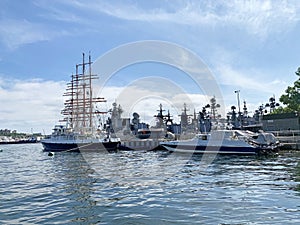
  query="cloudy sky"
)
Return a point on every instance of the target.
[{"x": 251, "y": 46}]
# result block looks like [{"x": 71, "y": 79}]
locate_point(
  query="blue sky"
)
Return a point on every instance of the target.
[{"x": 251, "y": 46}]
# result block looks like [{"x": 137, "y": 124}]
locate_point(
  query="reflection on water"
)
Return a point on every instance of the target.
[
  {"x": 146, "y": 188},
  {"x": 297, "y": 175}
]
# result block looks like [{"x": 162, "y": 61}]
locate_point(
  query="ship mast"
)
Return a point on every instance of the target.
[{"x": 79, "y": 108}]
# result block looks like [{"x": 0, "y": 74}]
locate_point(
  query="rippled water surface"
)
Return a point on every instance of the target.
[{"x": 146, "y": 188}]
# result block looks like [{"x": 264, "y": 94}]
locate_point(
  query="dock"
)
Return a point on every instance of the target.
[{"x": 290, "y": 139}]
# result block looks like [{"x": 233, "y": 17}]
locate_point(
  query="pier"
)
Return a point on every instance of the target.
[{"x": 290, "y": 139}]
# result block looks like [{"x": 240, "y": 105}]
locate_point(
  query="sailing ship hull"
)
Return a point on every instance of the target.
[{"x": 79, "y": 147}]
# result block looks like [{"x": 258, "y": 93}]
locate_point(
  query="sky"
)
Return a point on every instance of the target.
[{"x": 251, "y": 46}]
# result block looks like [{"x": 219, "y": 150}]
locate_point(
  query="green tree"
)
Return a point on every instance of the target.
[{"x": 292, "y": 97}]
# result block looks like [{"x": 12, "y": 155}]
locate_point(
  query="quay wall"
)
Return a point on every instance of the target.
[{"x": 290, "y": 139}]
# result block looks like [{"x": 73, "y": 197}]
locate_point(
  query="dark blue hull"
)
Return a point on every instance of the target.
[
  {"x": 73, "y": 147},
  {"x": 212, "y": 149}
]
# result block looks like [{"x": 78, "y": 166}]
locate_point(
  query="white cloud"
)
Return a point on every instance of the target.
[
  {"x": 56, "y": 10},
  {"x": 259, "y": 18},
  {"x": 255, "y": 87},
  {"x": 250, "y": 79},
  {"x": 230, "y": 76},
  {"x": 262, "y": 18},
  {"x": 37, "y": 104},
  {"x": 17, "y": 32},
  {"x": 27, "y": 104},
  {"x": 145, "y": 101}
]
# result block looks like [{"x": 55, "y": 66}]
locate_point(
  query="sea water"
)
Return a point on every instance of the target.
[{"x": 138, "y": 187}]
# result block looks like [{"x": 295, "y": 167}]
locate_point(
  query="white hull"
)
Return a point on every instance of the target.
[{"x": 221, "y": 142}]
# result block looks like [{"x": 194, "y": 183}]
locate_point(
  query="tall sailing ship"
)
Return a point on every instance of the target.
[{"x": 81, "y": 131}]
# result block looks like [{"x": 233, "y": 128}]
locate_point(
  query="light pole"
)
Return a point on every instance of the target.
[{"x": 238, "y": 100}]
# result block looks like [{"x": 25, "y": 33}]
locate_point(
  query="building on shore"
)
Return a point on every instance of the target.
[
  {"x": 286, "y": 128},
  {"x": 282, "y": 121}
]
